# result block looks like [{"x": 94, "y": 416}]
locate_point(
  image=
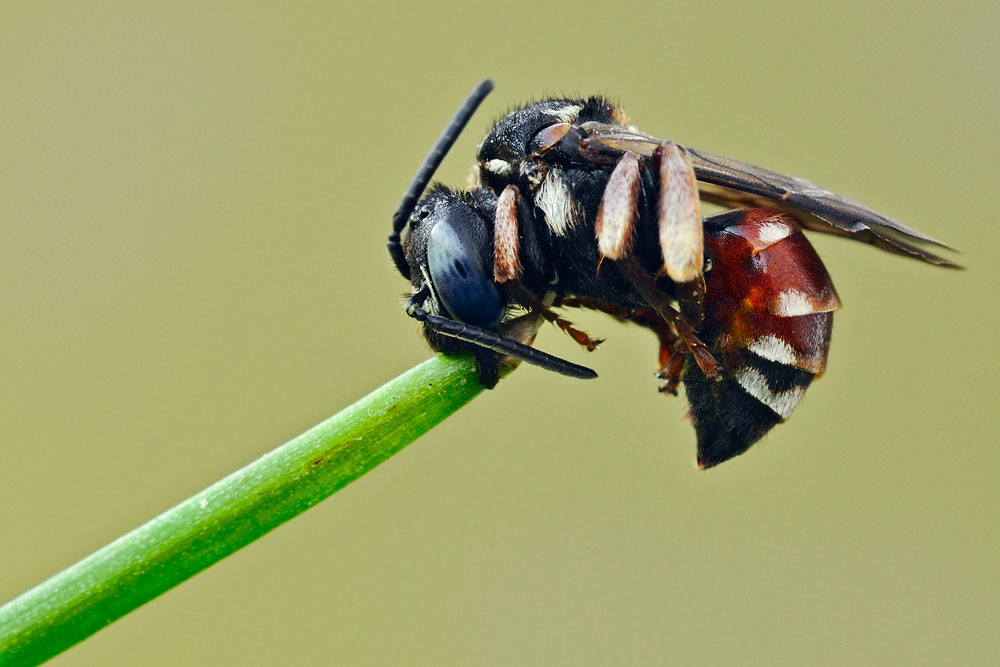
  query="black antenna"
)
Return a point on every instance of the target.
[
  {"x": 493, "y": 341},
  {"x": 427, "y": 170}
]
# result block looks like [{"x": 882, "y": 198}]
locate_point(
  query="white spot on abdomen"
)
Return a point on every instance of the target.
[
  {"x": 770, "y": 233},
  {"x": 755, "y": 384},
  {"x": 774, "y": 349},
  {"x": 792, "y": 303}
]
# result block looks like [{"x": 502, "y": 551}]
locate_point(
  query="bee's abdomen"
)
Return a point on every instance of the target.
[{"x": 768, "y": 317}]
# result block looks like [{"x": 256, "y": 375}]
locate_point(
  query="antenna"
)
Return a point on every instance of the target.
[{"x": 427, "y": 169}]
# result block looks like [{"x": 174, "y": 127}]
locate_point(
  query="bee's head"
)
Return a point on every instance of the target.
[{"x": 447, "y": 255}]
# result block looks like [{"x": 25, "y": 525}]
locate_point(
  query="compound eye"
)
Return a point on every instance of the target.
[{"x": 460, "y": 279}]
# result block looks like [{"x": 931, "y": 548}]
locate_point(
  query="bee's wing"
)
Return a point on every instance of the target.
[{"x": 733, "y": 183}]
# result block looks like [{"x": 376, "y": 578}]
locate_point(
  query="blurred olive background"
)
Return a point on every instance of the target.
[{"x": 194, "y": 199}]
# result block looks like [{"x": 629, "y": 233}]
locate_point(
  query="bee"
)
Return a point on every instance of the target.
[{"x": 571, "y": 206}]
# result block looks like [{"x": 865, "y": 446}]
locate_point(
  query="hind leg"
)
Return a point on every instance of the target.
[{"x": 680, "y": 239}]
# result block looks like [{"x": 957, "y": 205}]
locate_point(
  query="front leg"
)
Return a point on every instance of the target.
[
  {"x": 506, "y": 242},
  {"x": 539, "y": 307},
  {"x": 507, "y": 265}
]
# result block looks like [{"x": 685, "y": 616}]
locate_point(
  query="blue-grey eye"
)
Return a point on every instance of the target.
[{"x": 460, "y": 279}]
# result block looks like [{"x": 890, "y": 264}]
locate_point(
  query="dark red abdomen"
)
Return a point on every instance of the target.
[{"x": 768, "y": 316}]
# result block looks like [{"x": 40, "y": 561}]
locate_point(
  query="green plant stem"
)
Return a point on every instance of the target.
[{"x": 231, "y": 513}]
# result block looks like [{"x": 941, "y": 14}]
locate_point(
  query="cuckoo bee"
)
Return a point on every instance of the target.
[{"x": 573, "y": 207}]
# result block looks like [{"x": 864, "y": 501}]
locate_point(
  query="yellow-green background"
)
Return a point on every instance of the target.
[{"x": 194, "y": 199}]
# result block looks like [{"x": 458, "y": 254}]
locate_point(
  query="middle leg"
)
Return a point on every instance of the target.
[{"x": 672, "y": 351}]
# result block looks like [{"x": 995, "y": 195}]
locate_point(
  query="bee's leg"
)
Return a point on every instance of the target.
[
  {"x": 660, "y": 302},
  {"x": 619, "y": 209},
  {"x": 507, "y": 266},
  {"x": 671, "y": 349},
  {"x": 535, "y": 305},
  {"x": 623, "y": 313},
  {"x": 681, "y": 236},
  {"x": 581, "y": 337},
  {"x": 615, "y": 229},
  {"x": 670, "y": 373},
  {"x": 671, "y": 356},
  {"x": 506, "y": 246},
  {"x": 487, "y": 366}
]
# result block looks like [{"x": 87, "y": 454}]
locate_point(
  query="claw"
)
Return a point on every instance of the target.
[
  {"x": 702, "y": 356},
  {"x": 670, "y": 373},
  {"x": 706, "y": 362}
]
